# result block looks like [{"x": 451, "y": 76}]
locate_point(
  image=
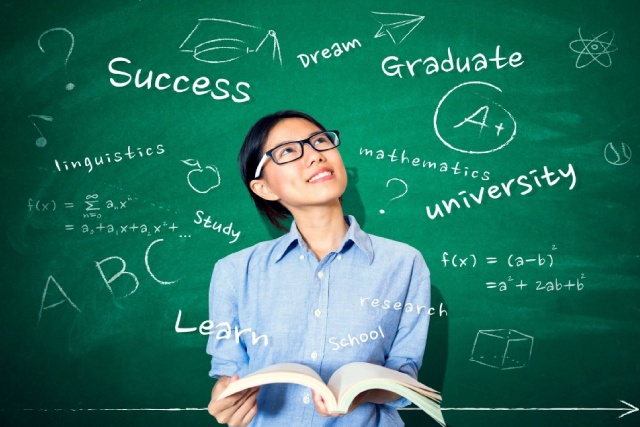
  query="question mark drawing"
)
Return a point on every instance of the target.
[
  {"x": 69, "y": 86},
  {"x": 41, "y": 141},
  {"x": 406, "y": 188}
]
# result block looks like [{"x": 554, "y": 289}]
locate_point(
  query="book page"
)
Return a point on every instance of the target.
[
  {"x": 354, "y": 374},
  {"x": 293, "y": 373}
]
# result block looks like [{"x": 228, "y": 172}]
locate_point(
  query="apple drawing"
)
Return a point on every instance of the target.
[{"x": 206, "y": 181}]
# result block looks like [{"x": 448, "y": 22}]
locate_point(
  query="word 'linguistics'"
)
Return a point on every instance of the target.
[
  {"x": 335, "y": 51},
  {"x": 407, "y": 307},
  {"x": 443, "y": 167},
  {"x": 553, "y": 285},
  {"x": 392, "y": 66},
  {"x": 218, "y": 90},
  {"x": 513, "y": 260},
  {"x": 224, "y": 331},
  {"x": 352, "y": 341},
  {"x": 505, "y": 188},
  {"x": 216, "y": 226},
  {"x": 90, "y": 162}
]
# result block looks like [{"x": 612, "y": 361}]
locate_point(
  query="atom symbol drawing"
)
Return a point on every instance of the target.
[{"x": 596, "y": 49}]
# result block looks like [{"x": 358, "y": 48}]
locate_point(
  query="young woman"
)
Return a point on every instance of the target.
[{"x": 325, "y": 294}]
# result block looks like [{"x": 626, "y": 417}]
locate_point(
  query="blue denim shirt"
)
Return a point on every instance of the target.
[{"x": 275, "y": 302}]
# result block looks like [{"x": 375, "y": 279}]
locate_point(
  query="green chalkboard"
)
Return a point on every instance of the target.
[{"x": 500, "y": 138}]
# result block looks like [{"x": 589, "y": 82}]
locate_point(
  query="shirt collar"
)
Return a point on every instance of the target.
[{"x": 354, "y": 234}]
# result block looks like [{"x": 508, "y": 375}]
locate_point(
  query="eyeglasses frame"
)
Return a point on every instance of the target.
[{"x": 302, "y": 142}]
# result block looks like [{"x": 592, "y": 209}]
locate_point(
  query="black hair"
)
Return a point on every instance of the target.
[{"x": 251, "y": 153}]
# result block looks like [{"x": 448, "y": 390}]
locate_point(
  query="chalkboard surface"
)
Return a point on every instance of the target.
[{"x": 500, "y": 138}]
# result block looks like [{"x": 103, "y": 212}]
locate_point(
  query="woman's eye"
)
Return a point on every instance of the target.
[{"x": 288, "y": 151}]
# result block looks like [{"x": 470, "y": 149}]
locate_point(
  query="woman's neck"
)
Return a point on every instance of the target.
[{"x": 322, "y": 228}]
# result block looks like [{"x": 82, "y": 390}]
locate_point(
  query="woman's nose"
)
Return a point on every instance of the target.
[{"x": 311, "y": 156}]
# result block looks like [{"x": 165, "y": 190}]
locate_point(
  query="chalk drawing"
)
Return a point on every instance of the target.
[
  {"x": 617, "y": 154},
  {"x": 216, "y": 41},
  {"x": 596, "y": 49},
  {"x": 406, "y": 188},
  {"x": 199, "y": 179},
  {"x": 491, "y": 135},
  {"x": 397, "y": 26},
  {"x": 628, "y": 409},
  {"x": 502, "y": 348},
  {"x": 41, "y": 141},
  {"x": 69, "y": 86}
]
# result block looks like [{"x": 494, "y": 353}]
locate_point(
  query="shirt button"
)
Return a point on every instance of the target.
[
  {"x": 306, "y": 399},
  {"x": 339, "y": 257},
  {"x": 318, "y": 313},
  {"x": 314, "y": 355},
  {"x": 301, "y": 256},
  {"x": 320, "y": 274}
]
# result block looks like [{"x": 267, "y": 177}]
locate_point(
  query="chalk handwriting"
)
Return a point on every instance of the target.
[
  {"x": 126, "y": 229},
  {"x": 216, "y": 226},
  {"x": 218, "y": 90},
  {"x": 41, "y": 205},
  {"x": 90, "y": 162},
  {"x": 473, "y": 133},
  {"x": 397, "y": 26},
  {"x": 403, "y": 158},
  {"x": 335, "y": 51},
  {"x": 512, "y": 260},
  {"x": 547, "y": 285},
  {"x": 497, "y": 191},
  {"x": 407, "y": 307},
  {"x": 352, "y": 341},
  {"x": 223, "y": 332},
  {"x": 45, "y": 294},
  {"x": 122, "y": 273},
  {"x": 392, "y": 66}
]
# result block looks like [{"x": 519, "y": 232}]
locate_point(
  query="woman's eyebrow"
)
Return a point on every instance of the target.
[{"x": 296, "y": 140}]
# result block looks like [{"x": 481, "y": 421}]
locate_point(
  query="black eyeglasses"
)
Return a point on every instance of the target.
[{"x": 290, "y": 151}]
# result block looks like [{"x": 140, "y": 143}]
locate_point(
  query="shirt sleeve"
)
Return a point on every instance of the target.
[
  {"x": 228, "y": 356},
  {"x": 411, "y": 338}
]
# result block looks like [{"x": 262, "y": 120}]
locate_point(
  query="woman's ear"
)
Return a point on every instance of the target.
[{"x": 261, "y": 188}]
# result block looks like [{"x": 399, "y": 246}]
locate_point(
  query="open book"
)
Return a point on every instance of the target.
[{"x": 345, "y": 384}]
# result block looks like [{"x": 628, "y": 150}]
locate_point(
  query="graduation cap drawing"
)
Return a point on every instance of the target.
[
  {"x": 217, "y": 41},
  {"x": 396, "y": 25}
]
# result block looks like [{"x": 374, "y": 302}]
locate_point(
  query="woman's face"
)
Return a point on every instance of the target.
[{"x": 316, "y": 179}]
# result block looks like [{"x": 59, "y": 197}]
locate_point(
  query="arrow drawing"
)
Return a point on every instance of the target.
[
  {"x": 629, "y": 409},
  {"x": 396, "y": 25},
  {"x": 216, "y": 41}
]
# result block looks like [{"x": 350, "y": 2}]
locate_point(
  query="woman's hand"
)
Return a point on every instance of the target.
[
  {"x": 373, "y": 396},
  {"x": 235, "y": 410},
  {"x": 321, "y": 405}
]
